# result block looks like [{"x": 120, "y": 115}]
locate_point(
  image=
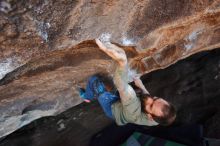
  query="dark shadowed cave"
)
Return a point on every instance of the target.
[{"x": 192, "y": 85}]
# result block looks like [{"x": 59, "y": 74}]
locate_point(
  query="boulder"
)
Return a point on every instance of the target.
[{"x": 47, "y": 47}]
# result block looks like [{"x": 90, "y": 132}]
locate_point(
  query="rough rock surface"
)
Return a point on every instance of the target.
[
  {"x": 46, "y": 52},
  {"x": 47, "y": 85},
  {"x": 191, "y": 84}
]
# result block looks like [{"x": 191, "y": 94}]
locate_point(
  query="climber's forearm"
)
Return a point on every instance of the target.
[
  {"x": 140, "y": 85},
  {"x": 121, "y": 81},
  {"x": 121, "y": 77},
  {"x": 121, "y": 74}
]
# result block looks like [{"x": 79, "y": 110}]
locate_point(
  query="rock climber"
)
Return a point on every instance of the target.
[{"x": 126, "y": 107}]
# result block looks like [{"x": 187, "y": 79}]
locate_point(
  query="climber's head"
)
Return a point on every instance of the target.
[{"x": 158, "y": 109}]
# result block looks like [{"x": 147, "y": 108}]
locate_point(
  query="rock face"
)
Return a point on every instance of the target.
[
  {"x": 47, "y": 48},
  {"x": 191, "y": 84},
  {"x": 47, "y": 85}
]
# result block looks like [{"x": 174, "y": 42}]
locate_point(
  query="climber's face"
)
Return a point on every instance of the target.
[{"x": 154, "y": 106}]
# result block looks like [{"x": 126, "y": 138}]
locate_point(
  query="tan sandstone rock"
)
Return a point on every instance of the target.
[{"x": 47, "y": 49}]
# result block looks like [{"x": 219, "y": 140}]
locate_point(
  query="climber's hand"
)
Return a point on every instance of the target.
[{"x": 115, "y": 52}]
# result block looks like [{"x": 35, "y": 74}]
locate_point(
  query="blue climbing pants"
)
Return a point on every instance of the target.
[{"x": 95, "y": 88}]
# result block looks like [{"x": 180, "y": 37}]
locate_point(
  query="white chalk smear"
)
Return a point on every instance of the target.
[
  {"x": 188, "y": 46},
  {"x": 191, "y": 39},
  {"x": 5, "y": 67},
  {"x": 42, "y": 28},
  {"x": 5, "y": 7},
  {"x": 194, "y": 35},
  {"x": 125, "y": 41},
  {"x": 105, "y": 37}
]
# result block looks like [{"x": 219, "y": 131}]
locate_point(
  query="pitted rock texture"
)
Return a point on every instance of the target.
[
  {"x": 47, "y": 47},
  {"x": 32, "y": 28}
]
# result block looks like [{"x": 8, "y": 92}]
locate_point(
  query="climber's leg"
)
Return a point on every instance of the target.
[
  {"x": 94, "y": 88},
  {"x": 106, "y": 100}
]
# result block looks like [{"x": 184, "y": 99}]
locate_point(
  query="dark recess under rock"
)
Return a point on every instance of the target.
[{"x": 192, "y": 85}]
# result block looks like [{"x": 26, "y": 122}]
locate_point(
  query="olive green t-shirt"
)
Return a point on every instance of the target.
[{"x": 130, "y": 112}]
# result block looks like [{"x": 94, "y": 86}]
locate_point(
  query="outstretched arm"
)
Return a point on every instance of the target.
[
  {"x": 140, "y": 85},
  {"x": 121, "y": 74}
]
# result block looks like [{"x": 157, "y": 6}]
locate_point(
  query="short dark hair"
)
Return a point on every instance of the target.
[{"x": 169, "y": 112}]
